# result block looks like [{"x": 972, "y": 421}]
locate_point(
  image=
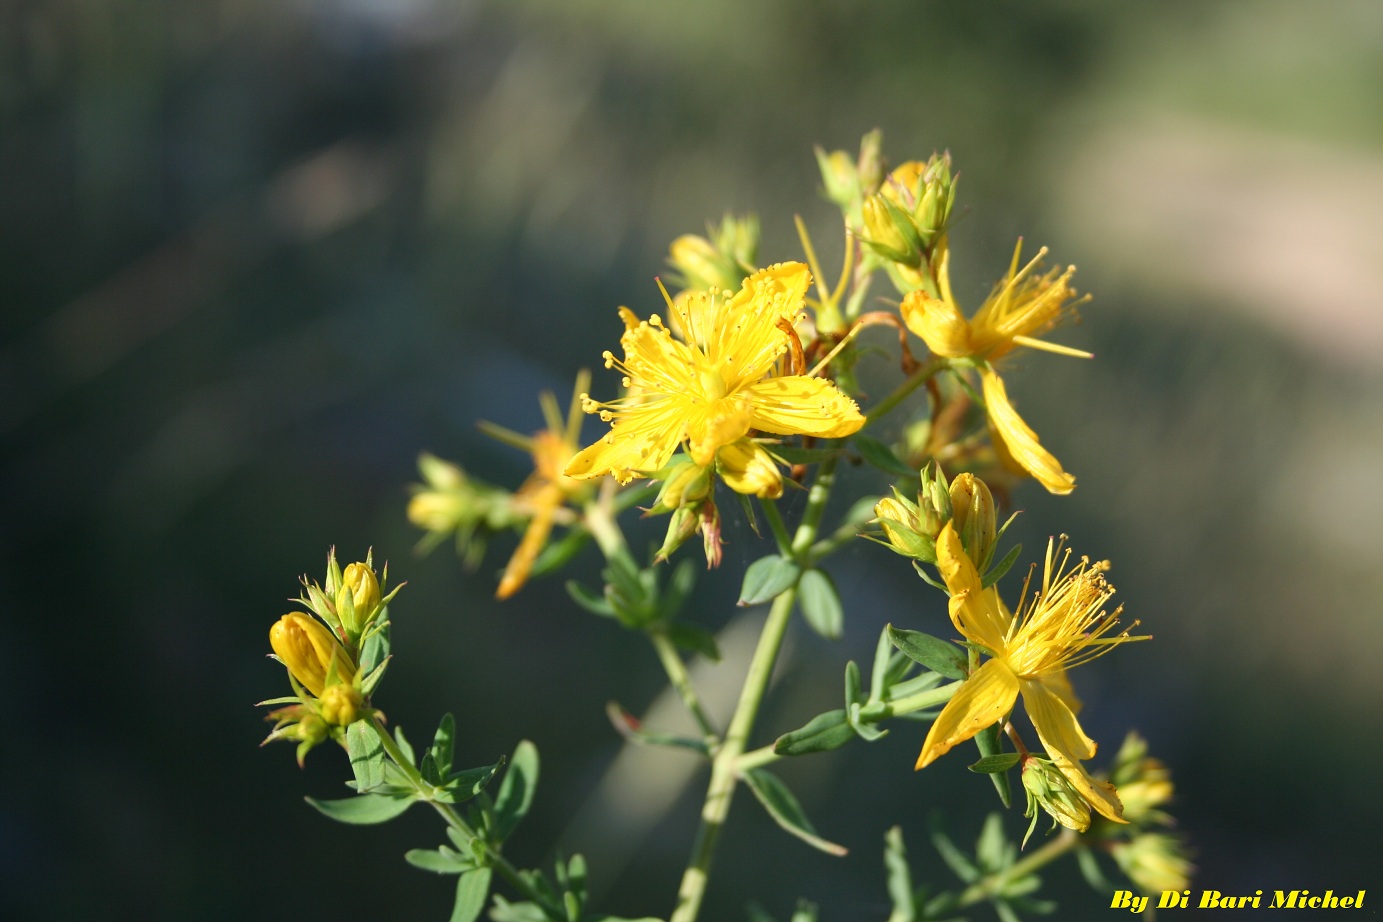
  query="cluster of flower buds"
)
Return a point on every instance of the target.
[
  {"x": 450, "y": 502},
  {"x": 325, "y": 655},
  {"x": 722, "y": 259},
  {"x": 688, "y": 494},
  {"x": 848, "y": 181},
  {"x": 1153, "y": 859},
  {"x": 910, "y": 528}
]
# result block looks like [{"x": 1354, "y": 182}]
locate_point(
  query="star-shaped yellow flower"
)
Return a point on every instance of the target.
[
  {"x": 716, "y": 385},
  {"x": 1021, "y": 307},
  {"x": 1062, "y": 624}
]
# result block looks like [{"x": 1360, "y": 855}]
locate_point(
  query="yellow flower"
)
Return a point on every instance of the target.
[
  {"x": 1061, "y": 625},
  {"x": 1021, "y": 307},
  {"x": 310, "y": 651},
  {"x": 710, "y": 390},
  {"x": 545, "y": 492}
]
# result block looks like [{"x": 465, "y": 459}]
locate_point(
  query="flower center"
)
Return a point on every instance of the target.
[{"x": 712, "y": 383}]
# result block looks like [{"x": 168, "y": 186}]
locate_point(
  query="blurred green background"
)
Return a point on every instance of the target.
[{"x": 255, "y": 255}]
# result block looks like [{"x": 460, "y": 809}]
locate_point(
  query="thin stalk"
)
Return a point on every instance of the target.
[
  {"x": 775, "y": 524},
  {"x": 681, "y": 681},
  {"x": 449, "y": 814},
  {"x": 724, "y": 767},
  {"x": 984, "y": 889},
  {"x": 901, "y": 392}
]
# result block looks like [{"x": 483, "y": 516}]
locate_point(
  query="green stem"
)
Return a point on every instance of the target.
[
  {"x": 775, "y": 524},
  {"x": 452, "y": 818},
  {"x": 725, "y": 767},
  {"x": 987, "y": 887},
  {"x": 901, "y": 392},
  {"x": 681, "y": 681}
]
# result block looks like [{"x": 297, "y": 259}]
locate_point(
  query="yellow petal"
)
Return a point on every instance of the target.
[
  {"x": 1059, "y": 684},
  {"x": 938, "y": 322},
  {"x": 712, "y": 426},
  {"x": 746, "y": 467},
  {"x": 1055, "y": 724},
  {"x": 798, "y": 405},
  {"x": 1101, "y": 795},
  {"x": 658, "y": 362},
  {"x": 976, "y": 612},
  {"x": 982, "y": 700},
  {"x": 642, "y": 439},
  {"x": 1019, "y": 440},
  {"x": 747, "y": 340}
]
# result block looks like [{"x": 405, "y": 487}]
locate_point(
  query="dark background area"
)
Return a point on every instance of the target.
[{"x": 255, "y": 256}]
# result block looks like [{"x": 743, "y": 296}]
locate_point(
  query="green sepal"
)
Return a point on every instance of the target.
[
  {"x": 927, "y": 579},
  {"x": 516, "y": 790},
  {"x": 822, "y": 733},
  {"x": 363, "y": 809},
  {"x": 783, "y": 807},
  {"x": 881, "y": 456},
  {"x": 693, "y": 639},
  {"x": 996, "y": 763},
  {"x": 628, "y": 726},
  {"x": 820, "y": 604},
  {"x": 372, "y": 680},
  {"x": 471, "y": 891},
  {"x": 463, "y": 785},
  {"x": 441, "y": 860},
  {"x": 988, "y": 742},
  {"x": 366, "y": 754},
  {"x": 936, "y": 654},
  {"x": 766, "y": 578},
  {"x": 997, "y": 571}
]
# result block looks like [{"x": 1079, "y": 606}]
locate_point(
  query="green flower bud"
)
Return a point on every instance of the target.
[
  {"x": 1154, "y": 861},
  {"x": 686, "y": 484},
  {"x": 933, "y": 500},
  {"x": 839, "y": 177},
  {"x": 898, "y": 517},
  {"x": 890, "y": 233},
  {"x": 1048, "y": 789},
  {"x": 357, "y": 598},
  {"x": 973, "y": 512},
  {"x": 871, "y": 162}
]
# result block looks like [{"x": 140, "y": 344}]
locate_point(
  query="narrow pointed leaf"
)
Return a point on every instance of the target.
[
  {"x": 997, "y": 763},
  {"x": 786, "y": 811},
  {"x": 463, "y": 785},
  {"x": 932, "y": 652},
  {"x": 471, "y": 891},
  {"x": 882, "y": 457},
  {"x": 988, "y": 742},
  {"x": 822, "y": 733},
  {"x": 516, "y": 790},
  {"x": 363, "y": 809}
]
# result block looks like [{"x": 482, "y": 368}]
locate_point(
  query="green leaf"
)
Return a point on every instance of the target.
[
  {"x": 679, "y": 587},
  {"x": 786, "y": 811},
  {"x": 376, "y": 647},
  {"x": 444, "y": 745},
  {"x": 861, "y": 725},
  {"x": 693, "y": 639},
  {"x": 471, "y": 891},
  {"x": 853, "y": 694},
  {"x": 516, "y": 790},
  {"x": 822, "y": 733},
  {"x": 463, "y": 785},
  {"x": 404, "y": 745},
  {"x": 1090, "y": 870},
  {"x": 882, "y": 457},
  {"x": 900, "y": 889},
  {"x": 988, "y": 742},
  {"x": 557, "y": 554},
  {"x": 629, "y": 727},
  {"x": 820, "y": 603},
  {"x": 766, "y": 578},
  {"x": 428, "y": 769},
  {"x": 806, "y": 912},
  {"x": 997, "y": 571},
  {"x": 587, "y": 599},
  {"x": 996, "y": 763},
  {"x": 505, "y": 911},
  {"x": 438, "y": 861},
  {"x": 932, "y": 652},
  {"x": 363, "y": 809},
  {"x": 955, "y": 859},
  {"x": 878, "y": 674},
  {"x": 366, "y": 754},
  {"x": 992, "y": 849}
]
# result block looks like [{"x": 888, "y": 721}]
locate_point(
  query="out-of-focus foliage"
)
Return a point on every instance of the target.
[{"x": 255, "y": 255}]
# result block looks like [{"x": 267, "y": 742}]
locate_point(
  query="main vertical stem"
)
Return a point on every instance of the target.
[{"x": 724, "y": 773}]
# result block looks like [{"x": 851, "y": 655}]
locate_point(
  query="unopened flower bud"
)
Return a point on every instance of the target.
[
  {"x": 310, "y": 651},
  {"x": 687, "y": 483},
  {"x": 839, "y": 176},
  {"x": 871, "y": 163},
  {"x": 1154, "y": 861},
  {"x": 439, "y": 474},
  {"x": 357, "y": 598},
  {"x": 1144, "y": 783},
  {"x": 933, "y": 500},
  {"x": 683, "y": 523},
  {"x": 699, "y": 263},
  {"x": 940, "y": 324},
  {"x": 972, "y": 508},
  {"x": 889, "y": 232},
  {"x": 1048, "y": 789},
  {"x": 748, "y": 468},
  {"x": 898, "y": 517},
  {"x": 341, "y": 704}
]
